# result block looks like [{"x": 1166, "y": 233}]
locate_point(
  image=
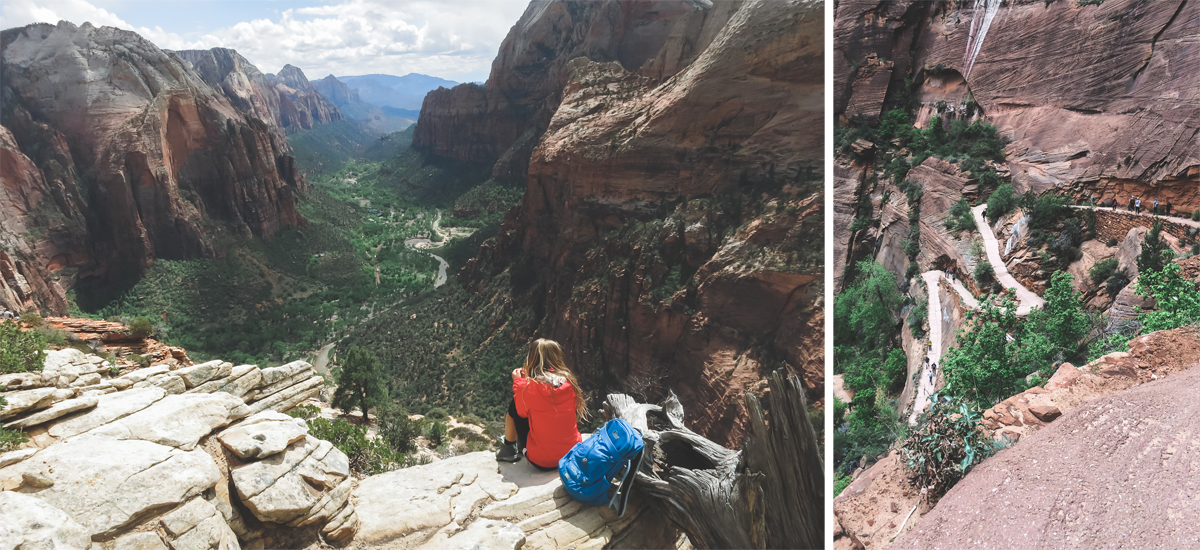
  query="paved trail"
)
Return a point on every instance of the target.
[
  {"x": 1028, "y": 300},
  {"x": 1176, "y": 219}
]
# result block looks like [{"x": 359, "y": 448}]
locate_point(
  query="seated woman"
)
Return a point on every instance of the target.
[{"x": 547, "y": 404}]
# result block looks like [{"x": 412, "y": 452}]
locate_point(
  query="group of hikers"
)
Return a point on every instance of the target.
[
  {"x": 1135, "y": 205},
  {"x": 932, "y": 366}
]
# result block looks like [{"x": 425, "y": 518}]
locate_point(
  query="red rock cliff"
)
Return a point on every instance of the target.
[
  {"x": 120, "y": 154},
  {"x": 1099, "y": 99},
  {"x": 675, "y": 226}
]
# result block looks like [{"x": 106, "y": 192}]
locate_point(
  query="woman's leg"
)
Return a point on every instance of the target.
[{"x": 520, "y": 427}]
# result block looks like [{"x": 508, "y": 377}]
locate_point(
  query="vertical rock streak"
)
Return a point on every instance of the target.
[{"x": 979, "y": 29}]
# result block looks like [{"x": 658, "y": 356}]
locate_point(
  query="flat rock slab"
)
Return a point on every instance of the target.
[
  {"x": 19, "y": 402},
  {"x": 59, "y": 409},
  {"x": 1118, "y": 471},
  {"x": 457, "y": 499},
  {"x": 108, "y": 408},
  {"x": 178, "y": 420},
  {"x": 106, "y": 483},
  {"x": 28, "y": 522},
  {"x": 263, "y": 434}
]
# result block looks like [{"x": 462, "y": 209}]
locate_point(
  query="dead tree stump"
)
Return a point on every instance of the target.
[{"x": 768, "y": 495}]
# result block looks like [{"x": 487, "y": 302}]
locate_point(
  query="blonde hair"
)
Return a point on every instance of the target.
[{"x": 546, "y": 356}]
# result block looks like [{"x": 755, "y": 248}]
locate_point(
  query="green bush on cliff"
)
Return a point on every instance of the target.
[
  {"x": 1177, "y": 300},
  {"x": 1156, "y": 253},
  {"x": 960, "y": 217},
  {"x": 21, "y": 350},
  {"x": 141, "y": 327},
  {"x": 360, "y": 381},
  {"x": 1000, "y": 203},
  {"x": 947, "y": 444}
]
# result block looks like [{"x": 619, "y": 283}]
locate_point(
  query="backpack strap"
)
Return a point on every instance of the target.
[{"x": 624, "y": 483}]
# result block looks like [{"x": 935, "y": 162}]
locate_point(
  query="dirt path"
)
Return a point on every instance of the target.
[
  {"x": 321, "y": 364},
  {"x": 1027, "y": 298}
]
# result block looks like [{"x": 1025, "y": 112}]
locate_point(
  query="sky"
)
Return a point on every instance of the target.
[{"x": 452, "y": 39}]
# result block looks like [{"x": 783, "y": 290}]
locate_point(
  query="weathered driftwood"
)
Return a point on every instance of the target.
[{"x": 768, "y": 495}]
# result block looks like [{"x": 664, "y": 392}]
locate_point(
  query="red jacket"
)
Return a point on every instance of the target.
[{"x": 552, "y": 422}]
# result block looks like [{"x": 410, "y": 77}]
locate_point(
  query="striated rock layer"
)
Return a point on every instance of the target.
[
  {"x": 1099, "y": 99},
  {"x": 115, "y": 153},
  {"x": 674, "y": 226}
]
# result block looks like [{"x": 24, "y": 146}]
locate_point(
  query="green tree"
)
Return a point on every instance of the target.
[
  {"x": 1156, "y": 253},
  {"x": 981, "y": 367},
  {"x": 1177, "y": 300},
  {"x": 360, "y": 382},
  {"x": 141, "y": 327},
  {"x": 396, "y": 428},
  {"x": 1000, "y": 203},
  {"x": 21, "y": 350},
  {"x": 1062, "y": 321},
  {"x": 867, "y": 312}
]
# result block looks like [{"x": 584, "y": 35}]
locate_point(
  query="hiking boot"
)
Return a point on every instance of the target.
[{"x": 508, "y": 452}]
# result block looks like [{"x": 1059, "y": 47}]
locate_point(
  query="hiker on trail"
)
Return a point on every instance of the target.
[
  {"x": 1155, "y": 207},
  {"x": 1137, "y": 207},
  {"x": 547, "y": 405},
  {"x": 1131, "y": 203},
  {"x": 1167, "y": 208},
  {"x": 7, "y": 315}
]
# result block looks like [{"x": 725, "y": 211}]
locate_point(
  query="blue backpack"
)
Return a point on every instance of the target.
[{"x": 600, "y": 469}]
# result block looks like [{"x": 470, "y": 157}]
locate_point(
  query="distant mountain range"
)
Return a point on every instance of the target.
[{"x": 399, "y": 92}]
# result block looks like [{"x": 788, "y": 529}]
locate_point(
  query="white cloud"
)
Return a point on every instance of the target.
[{"x": 455, "y": 40}]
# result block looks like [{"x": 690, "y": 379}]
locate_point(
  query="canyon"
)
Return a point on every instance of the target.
[
  {"x": 645, "y": 134},
  {"x": 138, "y": 158}
]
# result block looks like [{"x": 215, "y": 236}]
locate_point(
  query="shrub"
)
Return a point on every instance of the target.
[
  {"x": 1176, "y": 298},
  {"x": 860, "y": 223},
  {"x": 20, "y": 350},
  {"x": 141, "y": 327},
  {"x": 840, "y": 482},
  {"x": 396, "y": 428},
  {"x": 984, "y": 272},
  {"x": 946, "y": 445},
  {"x": 306, "y": 412},
  {"x": 11, "y": 439},
  {"x": 367, "y": 456},
  {"x": 437, "y": 413},
  {"x": 141, "y": 361},
  {"x": 468, "y": 435},
  {"x": 1103, "y": 270},
  {"x": 1111, "y": 243},
  {"x": 1196, "y": 215},
  {"x": 436, "y": 434},
  {"x": 1156, "y": 253},
  {"x": 32, "y": 320},
  {"x": 960, "y": 217},
  {"x": 1000, "y": 203},
  {"x": 114, "y": 371}
]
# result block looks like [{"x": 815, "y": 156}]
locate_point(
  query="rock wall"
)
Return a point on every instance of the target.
[
  {"x": 300, "y": 106},
  {"x": 122, "y": 154},
  {"x": 503, "y": 120},
  {"x": 1123, "y": 119}
]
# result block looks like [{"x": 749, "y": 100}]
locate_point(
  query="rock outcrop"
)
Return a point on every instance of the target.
[
  {"x": 119, "y": 154},
  {"x": 876, "y": 506},
  {"x": 1101, "y": 473},
  {"x": 200, "y": 456},
  {"x": 1123, "y": 123},
  {"x": 300, "y": 106},
  {"x": 149, "y": 458}
]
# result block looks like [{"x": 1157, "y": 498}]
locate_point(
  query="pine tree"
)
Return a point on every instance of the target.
[
  {"x": 1156, "y": 253},
  {"x": 360, "y": 382}
]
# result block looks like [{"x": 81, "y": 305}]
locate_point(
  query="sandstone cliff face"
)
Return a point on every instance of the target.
[
  {"x": 300, "y": 106},
  {"x": 243, "y": 84},
  {"x": 121, "y": 154},
  {"x": 504, "y": 119},
  {"x": 645, "y": 281},
  {"x": 1095, "y": 99}
]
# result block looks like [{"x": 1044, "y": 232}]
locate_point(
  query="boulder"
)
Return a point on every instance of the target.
[
  {"x": 13, "y": 457},
  {"x": 198, "y": 374},
  {"x": 263, "y": 434},
  {"x": 1066, "y": 375},
  {"x": 178, "y": 420},
  {"x": 21, "y": 401},
  {"x": 290, "y": 486},
  {"x": 28, "y": 522},
  {"x": 108, "y": 408},
  {"x": 1045, "y": 413},
  {"x": 106, "y": 484}
]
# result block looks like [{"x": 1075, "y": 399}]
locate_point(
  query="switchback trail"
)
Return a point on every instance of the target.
[{"x": 1028, "y": 300}]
